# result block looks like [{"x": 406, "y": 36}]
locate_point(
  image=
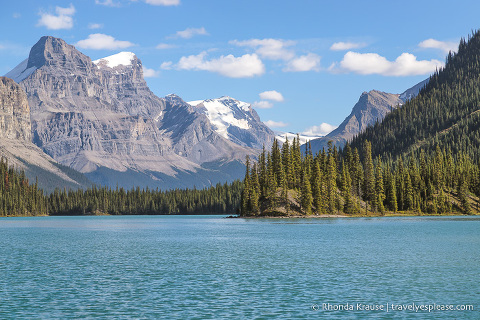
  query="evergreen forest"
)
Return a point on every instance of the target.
[
  {"x": 20, "y": 198},
  {"x": 353, "y": 182},
  {"x": 423, "y": 157}
]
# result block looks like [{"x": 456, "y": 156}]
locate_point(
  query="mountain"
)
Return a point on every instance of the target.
[
  {"x": 236, "y": 121},
  {"x": 444, "y": 114},
  {"x": 413, "y": 91},
  {"x": 372, "y": 106},
  {"x": 16, "y": 145},
  {"x": 100, "y": 118}
]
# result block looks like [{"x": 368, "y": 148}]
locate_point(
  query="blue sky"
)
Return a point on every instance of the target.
[{"x": 300, "y": 63}]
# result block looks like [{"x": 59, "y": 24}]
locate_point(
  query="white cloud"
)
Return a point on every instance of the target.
[
  {"x": 372, "y": 63},
  {"x": 163, "y": 46},
  {"x": 340, "y": 46},
  {"x": 308, "y": 62},
  {"x": 321, "y": 130},
  {"x": 273, "y": 49},
  {"x": 441, "y": 45},
  {"x": 163, "y": 2},
  {"x": 150, "y": 73},
  {"x": 167, "y": 65},
  {"x": 271, "y": 95},
  {"x": 189, "y": 33},
  {"x": 108, "y": 3},
  {"x": 95, "y": 26},
  {"x": 62, "y": 20},
  {"x": 262, "y": 104},
  {"x": 100, "y": 41},
  {"x": 275, "y": 124},
  {"x": 246, "y": 66},
  {"x": 16, "y": 15}
]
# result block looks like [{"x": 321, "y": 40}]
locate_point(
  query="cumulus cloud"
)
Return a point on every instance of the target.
[
  {"x": 95, "y": 26},
  {"x": 262, "y": 104},
  {"x": 441, "y": 45},
  {"x": 246, "y": 66},
  {"x": 271, "y": 95},
  {"x": 150, "y": 73},
  {"x": 99, "y": 41},
  {"x": 372, "y": 63},
  {"x": 273, "y": 49},
  {"x": 189, "y": 33},
  {"x": 163, "y": 46},
  {"x": 63, "y": 19},
  {"x": 308, "y": 62},
  {"x": 340, "y": 46},
  {"x": 320, "y": 130},
  {"x": 163, "y": 2},
  {"x": 275, "y": 124}
]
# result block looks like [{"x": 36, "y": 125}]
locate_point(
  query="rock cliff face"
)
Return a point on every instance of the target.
[
  {"x": 16, "y": 145},
  {"x": 101, "y": 115},
  {"x": 14, "y": 111},
  {"x": 371, "y": 107}
]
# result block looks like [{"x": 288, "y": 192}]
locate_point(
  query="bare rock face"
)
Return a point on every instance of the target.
[
  {"x": 92, "y": 115},
  {"x": 16, "y": 145},
  {"x": 14, "y": 111},
  {"x": 371, "y": 107}
]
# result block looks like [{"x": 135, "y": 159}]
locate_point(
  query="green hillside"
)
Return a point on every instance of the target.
[{"x": 445, "y": 113}]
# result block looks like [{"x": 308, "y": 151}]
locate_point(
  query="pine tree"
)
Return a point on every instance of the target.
[
  {"x": 369, "y": 180},
  {"x": 245, "y": 209},
  {"x": 349, "y": 207},
  {"x": 379, "y": 187},
  {"x": 331, "y": 179},
  {"x": 317, "y": 189},
  {"x": 306, "y": 194},
  {"x": 391, "y": 196}
]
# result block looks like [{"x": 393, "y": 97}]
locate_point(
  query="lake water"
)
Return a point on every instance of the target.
[{"x": 208, "y": 267}]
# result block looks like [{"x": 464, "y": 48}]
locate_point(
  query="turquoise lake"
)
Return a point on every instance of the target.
[{"x": 209, "y": 267}]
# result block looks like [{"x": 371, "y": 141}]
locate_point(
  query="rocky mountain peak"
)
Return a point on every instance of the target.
[
  {"x": 236, "y": 121},
  {"x": 52, "y": 51}
]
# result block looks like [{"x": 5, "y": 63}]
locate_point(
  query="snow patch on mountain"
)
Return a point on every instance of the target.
[
  {"x": 223, "y": 113},
  {"x": 21, "y": 72},
  {"x": 122, "y": 58}
]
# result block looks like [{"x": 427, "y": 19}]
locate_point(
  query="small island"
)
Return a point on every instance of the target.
[{"x": 290, "y": 182}]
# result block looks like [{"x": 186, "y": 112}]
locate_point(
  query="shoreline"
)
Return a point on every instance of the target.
[{"x": 326, "y": 216}]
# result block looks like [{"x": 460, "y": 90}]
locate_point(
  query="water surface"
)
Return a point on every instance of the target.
[{"x": 208, "y": 267}]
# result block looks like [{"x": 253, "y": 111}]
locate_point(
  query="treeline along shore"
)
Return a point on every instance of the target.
[
  {"x": 284, "y": 181},
  {"x": 20, "y": 198}
]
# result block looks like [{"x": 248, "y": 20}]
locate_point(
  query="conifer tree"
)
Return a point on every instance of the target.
[
  {"x": 369, "y": 180},
  {"x": 306, "y": 194},
  {"x": 245, "y": 210},
  {"x": 317, "y": 189},
  {"x": 331, "y": 179},
  {"x": 379, "y": 187}
]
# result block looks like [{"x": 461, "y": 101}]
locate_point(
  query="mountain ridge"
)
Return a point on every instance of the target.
[{"x": 89, "y": 115}]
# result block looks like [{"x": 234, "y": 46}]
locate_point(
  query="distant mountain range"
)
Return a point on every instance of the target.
[
  {"x": 100, "y": 118},
  {"x": 81, "y": 121}
]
